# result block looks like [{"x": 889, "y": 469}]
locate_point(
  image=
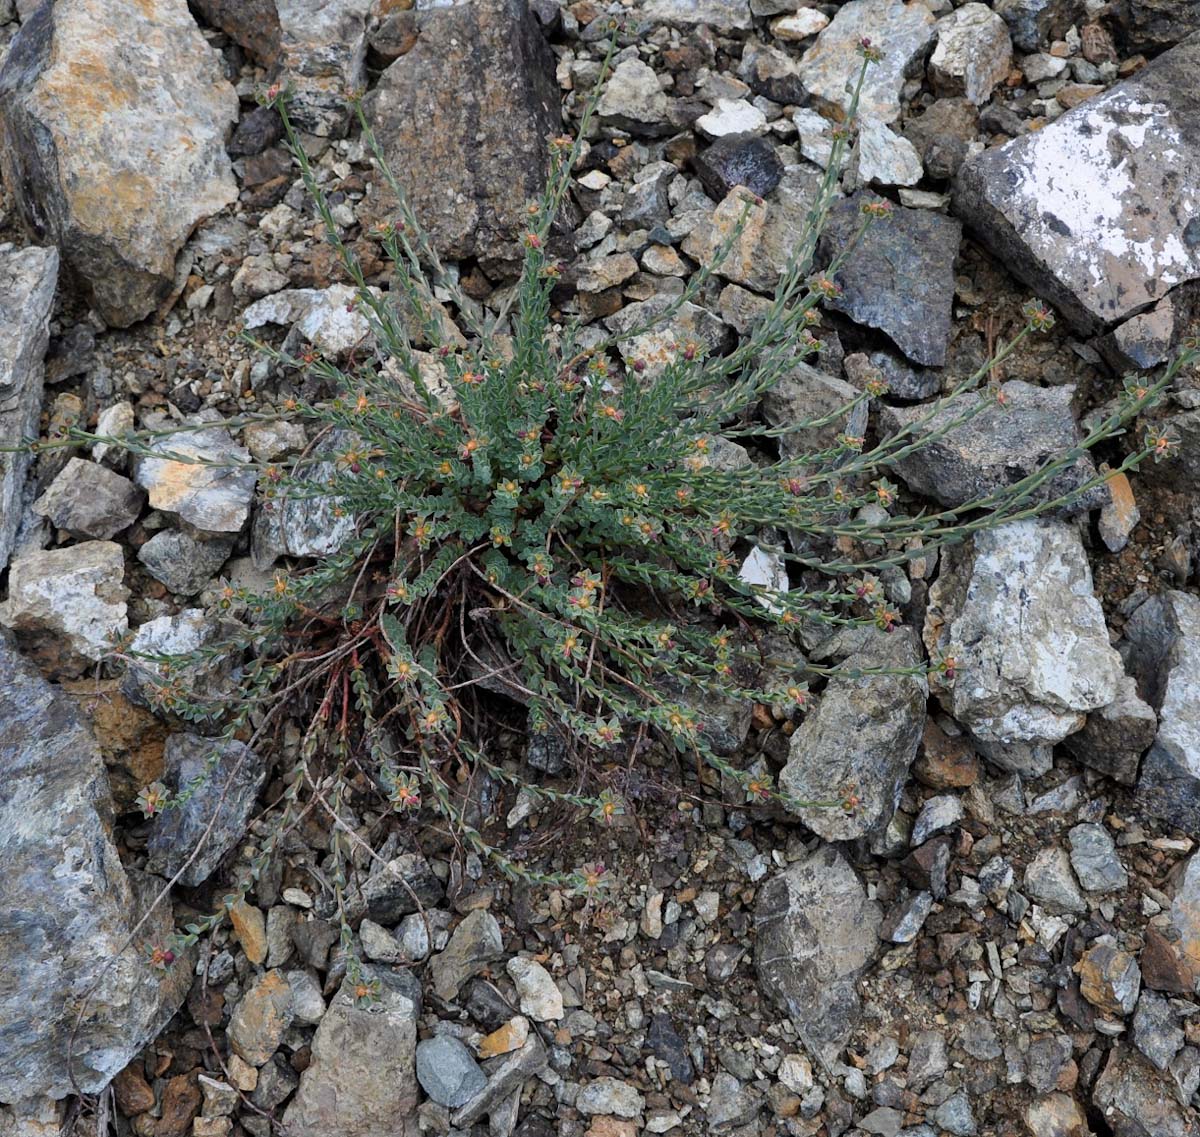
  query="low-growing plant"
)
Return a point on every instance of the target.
[{"x": 525, "y": 508}]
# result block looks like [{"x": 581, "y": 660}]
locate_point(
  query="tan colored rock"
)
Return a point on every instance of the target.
[
  {"x": 1056, "y": 1115},
  {"x": 250, "y": 929},
  {"x": 113, "y": 120}
]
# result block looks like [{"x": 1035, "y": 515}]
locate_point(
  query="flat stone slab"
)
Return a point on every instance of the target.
[{"x": 1100, "y": 211}]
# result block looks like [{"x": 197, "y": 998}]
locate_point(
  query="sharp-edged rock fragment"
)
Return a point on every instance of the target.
[
  {"x": 69, "y": 906},
  {"x": 114, "y": 154},
  {"x": 464, "y": 118},
  {"x": 902, "y": 30},
  {"x": 361, "y": 1080},
  {"x": 900, "y": 277},
  {"x": 815, "y": 935},
  {"x": 859, "y": 741},
  {"x": 67, "y": 606},
  {"x": 192, "y": 838},
  {"x": 1100, "y": 211},
  {"x": 1164, "y": 641},
  {"x": 997, "y": 445},
  {"x": 1016, "y": 612},
  {"x": 204, "y": 477}
]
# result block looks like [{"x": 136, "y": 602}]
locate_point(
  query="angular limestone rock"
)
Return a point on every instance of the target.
[
  {"x": 361, "y": 1081},
  {"x": 66, "y": 605},
  {"x": 816, "y": 932},
  {"x": 113, "y": 119},
  {"x": 28, "y": 278},
  {"x": 463, "y": 119},
  {"x": 68, "y": 905},
  {"x": 861, "y": 739}
]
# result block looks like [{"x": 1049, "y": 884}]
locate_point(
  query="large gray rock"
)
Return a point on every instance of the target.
[
  {"x": 90, "y": 500},
  {"x": 900, "y": 277},
  {"x": 861, "y": 740},
  {"x": 1151, "y": 25},
  {"x": 903, "y": 31},
  {"x": 1016, "y": 611},
  {"x": 463, "y": 119},
  {"x": 772, "y": 230},
  {"x": 816, "y": 933},
  {"x": 805, "y": 394},
  {"x": 67, "y": 605},
  {"x": 28, "y": 278},
  {"x": 115, "y": 153},
  {"x": 1115, "y": 737},
  {"x": 68, "y": 905},
  {"x": 996, "y": 447},
  {"x": 204, "y": 477},
  {"x": 182, "y": 562},
  {"x": 322, "y": 58},
  {"x": 361, "y": 1081},
  {"x": 1164, "y": 653},
  {"x": 226, "y": 794},
  {"x": 1098, "y": 211}
]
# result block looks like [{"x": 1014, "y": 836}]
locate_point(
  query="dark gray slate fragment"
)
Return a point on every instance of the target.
[
  {"x": 1034, "y": 23},
  {"x": 900, "y": 276},
  {"x": 1098, "y": 212},
  {"x": 739, "y": 160},
  {"x": 773, "y": 73},
  {"x": 401, "y": 887},
  {"x": 1115, "y": 737},
  {"x": 182, "y": 562},
  {"x": 664, "y": 1042},
  {"x": 996, "y": 448},
  {"x": 68, "y": 905},
  {"x": 179, "y": 831},
  {"x": 463, "y": 119},
  {"x": 815, "y": 934}
]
